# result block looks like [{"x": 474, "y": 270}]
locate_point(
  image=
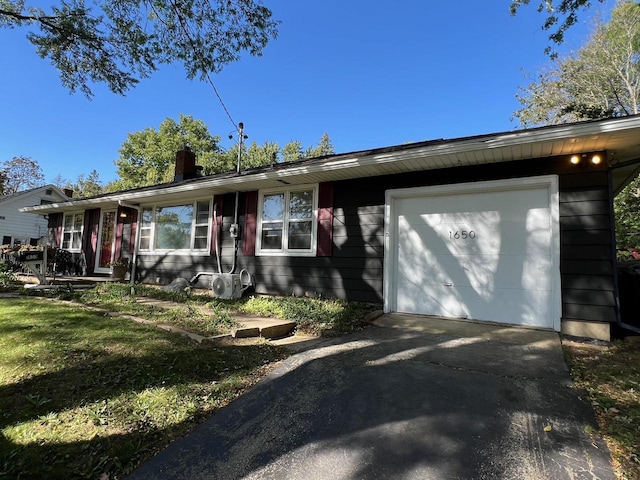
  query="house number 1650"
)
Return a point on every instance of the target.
[{"x": 461, "y": 234}]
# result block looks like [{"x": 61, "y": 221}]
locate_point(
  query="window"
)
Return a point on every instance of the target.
[
  {"x": 176, "y": 227},
  {"x": 287, "y": 222},
  {"x": 72, "y": 231}
]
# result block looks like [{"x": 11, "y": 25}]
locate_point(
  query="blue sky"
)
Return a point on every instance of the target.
[{"x": 367, "y": 74}]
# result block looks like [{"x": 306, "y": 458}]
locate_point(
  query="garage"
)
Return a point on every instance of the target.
[{"x": 483, "y": 251}]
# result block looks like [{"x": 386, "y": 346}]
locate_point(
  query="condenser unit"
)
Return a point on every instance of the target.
[{"x": 227, "y": 285}]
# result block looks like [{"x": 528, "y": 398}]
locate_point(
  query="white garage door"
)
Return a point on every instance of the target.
[{"x": 484, "y": 251}]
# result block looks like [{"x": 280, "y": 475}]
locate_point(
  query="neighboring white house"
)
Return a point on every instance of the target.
[{"x": 25, "y": 228}]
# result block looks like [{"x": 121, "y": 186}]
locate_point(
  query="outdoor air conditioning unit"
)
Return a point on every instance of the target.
[{"x": 227, "y": 285}]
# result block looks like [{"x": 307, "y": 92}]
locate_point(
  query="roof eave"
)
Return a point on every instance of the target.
[{"x": 428, "y": 155}]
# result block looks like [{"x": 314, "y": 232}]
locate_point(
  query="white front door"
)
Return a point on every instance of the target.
[
  {"x": 486, "y": 251},
  {"x": 106, "y": 241}
]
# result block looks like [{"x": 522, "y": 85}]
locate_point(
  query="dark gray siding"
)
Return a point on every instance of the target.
[
  {"x": 355, "y": 269},
  {"x": 586, "y": 248}
]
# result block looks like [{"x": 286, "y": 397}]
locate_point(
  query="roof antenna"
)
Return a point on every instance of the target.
[{"x": 241, "y": 137}]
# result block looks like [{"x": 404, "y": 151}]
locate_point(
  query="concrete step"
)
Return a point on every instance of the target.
[{"x": 251, "y": 326}]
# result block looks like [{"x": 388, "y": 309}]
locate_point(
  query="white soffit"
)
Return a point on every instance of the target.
[{"x": 619, "y": 136}]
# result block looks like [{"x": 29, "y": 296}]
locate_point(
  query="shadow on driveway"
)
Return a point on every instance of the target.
[{"x": 432, "y": 399}]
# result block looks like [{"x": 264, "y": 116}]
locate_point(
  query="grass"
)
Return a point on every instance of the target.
[
  {"x": 202, "y": 315},
  {"x": 185, "y": 314},
  {"x": 83, "y": 394},
  {"x": 326, "y": 317},
  {"x": 612, "y": 380}
]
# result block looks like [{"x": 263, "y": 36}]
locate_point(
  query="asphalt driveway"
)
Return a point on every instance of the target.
[{"x": 414, "y": 398}]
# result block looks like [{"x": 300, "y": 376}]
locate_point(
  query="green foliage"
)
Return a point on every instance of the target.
[
  {"x": 270, "y": 152},
  {"x": 119, "y": 42},
  {"x": 87, "y": 186},
  {"x": 601, "y": 79},
  {"x": 325, "y": 147},
  {"x": 261, "y": 155},
  {"x": 292, "y": 151},
  {"x": 7, "y": 280},
  {"x": 627, "y": 214},
  {"x": 316, "y": 316},
  {"x": 65, "y": 291},
  {"x": 561, "y": 16},
  {"x": 148, "y": 157}
]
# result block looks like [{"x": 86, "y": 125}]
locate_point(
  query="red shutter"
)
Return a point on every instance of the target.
[
  {"x": 55, "y": 226},
  {"x": 325, "y": 220},
  {"x": 250, "y": 224},
  {"x": 216, "y": 223},
  {"x": 133, "y": 219},
  {"x": 90, "y": 241}
]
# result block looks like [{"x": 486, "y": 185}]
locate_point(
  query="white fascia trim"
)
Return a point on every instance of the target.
[{"x": 366, "y": 159}]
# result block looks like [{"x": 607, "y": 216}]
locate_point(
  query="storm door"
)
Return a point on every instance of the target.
[{"x": 106, "y": 241}]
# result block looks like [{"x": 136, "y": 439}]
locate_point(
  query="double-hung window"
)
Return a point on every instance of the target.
[
  {"x": 72, "y": 226},
  {"x": 184, "y": 227},
  {"x": 287, "y": 221}
]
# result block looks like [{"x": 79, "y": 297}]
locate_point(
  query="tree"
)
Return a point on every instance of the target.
[
  {"x": 148, "y": 157},
  {"x": 292, "y": 151},
  {"x": 261, "y": 155},
  {"x": 20, "y": 173},
  {"x": 602, "y": 79},
  {"x": 60, "y": 181},
  {"x": 325, "y": 147},
  {"x": 88, "y": 186},
  {"x": 119, "y": 42},
  {"x": 561, "y": 15},
  {"x": 627, "y": 216}
]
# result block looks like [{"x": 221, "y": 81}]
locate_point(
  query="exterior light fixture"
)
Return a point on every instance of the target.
[
  {"x": 123, "y": 214},
  {"x": 575, "y": 159},
  {"x": 596, "y": 159}
]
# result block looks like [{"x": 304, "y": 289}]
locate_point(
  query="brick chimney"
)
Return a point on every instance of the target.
[
  {"x": 68, "y": 192},
  {"x": 185, "y": 165}
]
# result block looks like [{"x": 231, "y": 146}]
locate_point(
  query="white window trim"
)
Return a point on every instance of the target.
[
  {"x": 72, "y": 231},
  {"x": 191, "y": 251},
  {"x": 285, "y": 252}
]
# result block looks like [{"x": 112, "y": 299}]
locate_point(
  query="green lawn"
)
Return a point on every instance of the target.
[
  {"x": 209, "y": 317},
  {"x": 82, "y": 394},
  {"x": 611, "y": 379}
]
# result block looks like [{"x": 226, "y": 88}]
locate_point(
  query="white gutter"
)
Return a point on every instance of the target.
[{"x": 368, "y": 158}]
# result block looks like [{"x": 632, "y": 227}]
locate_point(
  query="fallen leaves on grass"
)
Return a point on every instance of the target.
[{"x": 612, "y": 380}]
